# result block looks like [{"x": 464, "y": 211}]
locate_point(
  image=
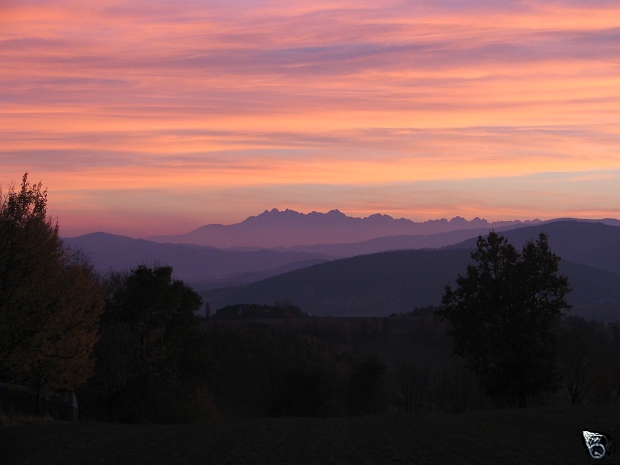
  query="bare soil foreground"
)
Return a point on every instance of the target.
[{"x": 530, "y": 436}]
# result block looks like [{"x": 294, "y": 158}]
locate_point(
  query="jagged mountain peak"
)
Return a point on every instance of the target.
[
  {"x": 286, "y": 228},
  {"x": 336, "y": 213}
]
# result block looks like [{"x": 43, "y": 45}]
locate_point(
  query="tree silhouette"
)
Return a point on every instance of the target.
[
  {"x": 29, "y": 246},
  {"x": 151, "y": 361},
  {"x": 502, "y": 312},
  {"x": 581, "y": 356},
  {"x": 411, "y": 383},
  {"x": 50, "y": 299},
  {"x": 368, "y": 387}
]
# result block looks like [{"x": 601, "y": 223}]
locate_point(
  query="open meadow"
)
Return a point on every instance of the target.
[{"x": 548, "y": 435}]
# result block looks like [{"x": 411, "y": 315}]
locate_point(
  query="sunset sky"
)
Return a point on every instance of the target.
[{"x": 150, "y": 117}]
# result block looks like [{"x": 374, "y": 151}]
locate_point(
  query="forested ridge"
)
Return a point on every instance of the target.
[{"x": 397, "y": 281}]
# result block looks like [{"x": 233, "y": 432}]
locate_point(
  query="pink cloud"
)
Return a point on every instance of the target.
[{"x": 249, "y": 96}]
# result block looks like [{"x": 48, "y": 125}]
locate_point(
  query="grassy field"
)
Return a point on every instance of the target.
[{"x": 529, "y": 436}]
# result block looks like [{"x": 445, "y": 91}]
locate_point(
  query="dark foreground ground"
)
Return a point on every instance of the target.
[{"x": 530, "y": 436}]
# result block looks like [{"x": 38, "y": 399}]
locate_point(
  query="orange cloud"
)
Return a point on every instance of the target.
[{"x": 280, "y": 102}]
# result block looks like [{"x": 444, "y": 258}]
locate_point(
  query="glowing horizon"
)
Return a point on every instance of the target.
[{"x": 159, "y": 117}]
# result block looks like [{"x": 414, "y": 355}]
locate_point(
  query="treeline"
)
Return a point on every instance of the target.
[
  {"x": 258, "y": 311},
  {"x": 126, "y": 342},
  {"x": 586, "y": 354},
  {"x": 589, "y": 360},
  {"x": 134, "y": 350},
  {"x": 337, "y": 366},
  {"x": 132, "y": 347},
  {"x": 264, "y": 371}
]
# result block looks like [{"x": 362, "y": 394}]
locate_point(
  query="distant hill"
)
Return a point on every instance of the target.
[
  {"x": 404, "y": 242},
  {"x": 289, "y": 228},
  {"x": 365, "y": 285},
  {"x": 591, "y": 243},
  {"x": 394, "y": 282},
  {"x": 245, "y": 258},
  {"x": 196, "y": 265},
  {"x": 207, "y": 267}
]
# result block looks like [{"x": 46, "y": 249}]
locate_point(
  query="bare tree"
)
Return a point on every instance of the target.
[
  {"x": 580, "y": 355},
  {"x": 410, "y": 384}
]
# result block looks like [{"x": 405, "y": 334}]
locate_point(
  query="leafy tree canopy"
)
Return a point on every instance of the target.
[
  {"x": 501, "y": 314},
  {"x": 151, "y": 360},
  {"x": 50, "y": 299}
]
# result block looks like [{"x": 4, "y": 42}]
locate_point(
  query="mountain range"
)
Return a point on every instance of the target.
[
  {"x": 378, "y": 276},
  {"x": 288, "y": 228},
  {"x": 220, "y": 255}
]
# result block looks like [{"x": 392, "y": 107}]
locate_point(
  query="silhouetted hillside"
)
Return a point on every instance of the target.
[
  {"x": 193, "y": 264},
  {"x": 398, "y": 281},
  {"x": 591, "y": 243},
  {"x": 385, "y": 244},
  {"x": 209, "y": 267},
  {"x": 365, "y": 285}
]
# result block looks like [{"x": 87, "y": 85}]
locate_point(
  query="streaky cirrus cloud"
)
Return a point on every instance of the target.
[{"x": 160, "y": 116}]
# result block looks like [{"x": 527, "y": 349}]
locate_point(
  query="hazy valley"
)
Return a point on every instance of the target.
[{"x": 384, "y": 274}]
